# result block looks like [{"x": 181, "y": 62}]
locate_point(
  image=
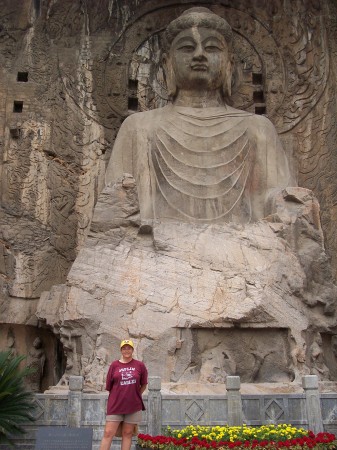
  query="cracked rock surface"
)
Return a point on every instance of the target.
[{"x": 200, "y": 301}]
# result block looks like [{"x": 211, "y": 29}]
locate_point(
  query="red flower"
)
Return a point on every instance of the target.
[{"x": 162, "y": 442}]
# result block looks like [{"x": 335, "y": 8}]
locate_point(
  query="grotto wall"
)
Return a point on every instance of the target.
[{"x": 72, "y": 71}]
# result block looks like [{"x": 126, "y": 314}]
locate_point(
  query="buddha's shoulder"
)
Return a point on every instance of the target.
[
  {"x": 145, "y": 118},
  {"x": 252, "y": 121},
  {"x": 262, "y": 121}
]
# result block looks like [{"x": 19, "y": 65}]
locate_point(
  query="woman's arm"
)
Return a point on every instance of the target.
[
  {"x": 142, "y": 389},
  {"x": 109, "y": 379}
]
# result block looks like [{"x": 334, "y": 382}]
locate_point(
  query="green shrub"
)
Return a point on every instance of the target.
[{"x": 16, "y": 403}]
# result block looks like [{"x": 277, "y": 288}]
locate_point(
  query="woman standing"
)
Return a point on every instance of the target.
[{"x": 126, "y": 381}]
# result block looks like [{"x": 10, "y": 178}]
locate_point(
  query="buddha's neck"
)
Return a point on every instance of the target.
[{"x": 198, "y": 99}]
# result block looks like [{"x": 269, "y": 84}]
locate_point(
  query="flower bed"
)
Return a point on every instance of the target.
[{"x": 223, "y": 438}]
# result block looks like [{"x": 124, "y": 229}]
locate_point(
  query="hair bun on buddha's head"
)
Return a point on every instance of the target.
[
  {"x": 198, "y": 16},
  {"x": 197, "y": 9}
]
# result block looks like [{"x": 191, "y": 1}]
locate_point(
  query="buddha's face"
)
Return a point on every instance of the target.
[{"x": 200, "y": 59}]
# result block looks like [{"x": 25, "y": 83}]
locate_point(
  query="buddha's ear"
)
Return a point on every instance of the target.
[
  {"x": 169, "y": 76},
  {"x": 227, "y": 77}
]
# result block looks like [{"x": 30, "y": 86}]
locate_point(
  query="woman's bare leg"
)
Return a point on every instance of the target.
[
  {"x": 127, "y": 431},
  {"x": 109, "y": 433}
]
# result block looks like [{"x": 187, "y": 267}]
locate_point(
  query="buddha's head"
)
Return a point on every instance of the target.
[{"x": 198, "y": 53}]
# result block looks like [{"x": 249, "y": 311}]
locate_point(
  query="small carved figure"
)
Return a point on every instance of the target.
[
  {"x": 95, "y": 372},
  {"x": 36, "y": 360},
  {"x": 317, "y": 358},
  {"x": 334, "y": 345},
  {"x": 229, "y": 364},
  {"x": 11, "y": 342},
  {"x": 298, "y": 357},
  {"x": 216, "y": 365},
  {"x": 68, "y": 339},
  {"x": 259, "y": 359}
]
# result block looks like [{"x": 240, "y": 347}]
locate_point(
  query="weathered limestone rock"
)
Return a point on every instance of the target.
[
  {"x": 198, "y": 249},
  {"x": 210, "y": 300},
  {"x": 201, "y": 164},
  {"x": 28, "y": 261},
  {"x": 42, "y": 349},
  {"x": 78, "y": 70}
]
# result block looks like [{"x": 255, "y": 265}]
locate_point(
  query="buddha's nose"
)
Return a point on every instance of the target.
[{"x": 199, "y": 53}]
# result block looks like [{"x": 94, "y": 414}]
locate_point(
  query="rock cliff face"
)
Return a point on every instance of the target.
[
  {"x": 211, "y": 300},
  {"x": 71, "y": 71}
]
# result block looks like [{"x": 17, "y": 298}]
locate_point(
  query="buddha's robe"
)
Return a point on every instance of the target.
[{"x": 208, "y": 165}]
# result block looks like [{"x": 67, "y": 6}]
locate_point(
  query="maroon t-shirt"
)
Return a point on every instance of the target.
[{"x": 123, "y": 382}]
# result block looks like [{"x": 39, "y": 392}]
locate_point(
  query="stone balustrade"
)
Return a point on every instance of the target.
[{"x": 76, "y": 408}]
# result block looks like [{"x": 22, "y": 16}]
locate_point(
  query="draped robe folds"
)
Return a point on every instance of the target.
[{"x": 206, "y": 165}]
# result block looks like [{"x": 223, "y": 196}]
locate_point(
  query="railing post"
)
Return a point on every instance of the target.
[
  {"x": 313, "y": 403},
  {"x": 75, "y": 401},
  {"x": 154, "y": 413},
  {"x": 234, "y": 402}
]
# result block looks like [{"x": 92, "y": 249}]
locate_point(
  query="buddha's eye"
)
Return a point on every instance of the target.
[
  {"x": 188, "y": 48},
  {"x": 212, "y": 48}
]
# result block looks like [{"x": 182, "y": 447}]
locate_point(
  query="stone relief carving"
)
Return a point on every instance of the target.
[
  {"x": 29, "y": 261},
  {"x": 83, "y": 63},
  {"x": 264, "y": 65},
  {"x": 200, "y": 159},
  {"x": 36, "y": 360},
  {"x": 39, "y": 346},
  {"x": 11, "y": 342},
  {"x": 198, "y": 191},
  {"x": 334, "y": 345},
  {"x": 317, "y": 358},
  {"x": 69, "y": 340},
  {"x": 96, "y": 371},
  {"x": 299, "y": 359}
]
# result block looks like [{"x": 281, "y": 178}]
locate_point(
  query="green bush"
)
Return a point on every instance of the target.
[{"x": 16, "y": 403}]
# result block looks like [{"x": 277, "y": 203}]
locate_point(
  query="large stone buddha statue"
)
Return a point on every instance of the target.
[
  {"x": 213, "y": 289},
  {"x": 199, "y": 159}
]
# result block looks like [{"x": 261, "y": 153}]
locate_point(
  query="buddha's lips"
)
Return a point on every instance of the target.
[{"x": 202, "y": 67}]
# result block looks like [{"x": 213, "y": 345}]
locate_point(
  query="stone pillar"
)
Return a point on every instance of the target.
[
  {"x": 75, "y": 401},
  {"x": 234, "y": 403},
  {"x": 313, "y": 403},
  {"x": 154, "y": 414}
]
